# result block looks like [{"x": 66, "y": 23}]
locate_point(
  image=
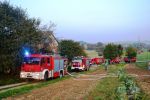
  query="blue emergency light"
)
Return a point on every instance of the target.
[{"x": 26, "y": 53}]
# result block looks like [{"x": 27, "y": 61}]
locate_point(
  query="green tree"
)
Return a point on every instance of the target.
[
  {"x": 131, "y": 52},
  {"x": 70, "y": 49},
  {"x": 17, "y": 31},
  {"x": 112, "y": 51},
  {"x": 119, "y": 50}
]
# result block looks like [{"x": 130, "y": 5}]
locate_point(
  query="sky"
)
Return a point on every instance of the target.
[{"x": 93, "y": 20}]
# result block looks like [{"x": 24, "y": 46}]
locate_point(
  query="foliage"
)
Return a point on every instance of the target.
[
  {"x": 17, "y": 32},
  {"x": 121, "y": 92},
  {"x": 131, "y": 52},
  {"x": 127, "y": 88},
  {"x": 112, "y": 51},
  {"x": 70, "y": 49},
  {"x": 7, "y": 79},
  {"x": 119, "y": 50}
]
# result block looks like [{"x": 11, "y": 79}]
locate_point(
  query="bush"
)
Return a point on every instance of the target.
[
  {"x": 131, "y": 52},
  {"x": 128, "y": 87},
  {"x": 112, "y": 51},
  {"x": 69, "y": 69}
]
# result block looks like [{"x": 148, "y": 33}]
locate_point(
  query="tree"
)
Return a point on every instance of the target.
[
  {"x": 119, "y": 50},
  {"x": 131, "y": 52},
  {"x": 17, "y": 32},
  {"x": 70, "y": 49},
  {"x": 112, "y": 51}
]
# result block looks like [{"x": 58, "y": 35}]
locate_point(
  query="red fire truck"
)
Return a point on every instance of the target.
[
  {"x": 116, "y": 60},
  {"x": 97, "y": 61},
  {"x": 80, "y": 64},
  {"x": 42, "y": 67},
  {"x": 129, "y": 60}
]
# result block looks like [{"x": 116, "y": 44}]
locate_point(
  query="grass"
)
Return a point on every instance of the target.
[
  {"x": 142, "y": 95},
  {"x": 145, "y": 56},
  {"x": 114, "y": 68},
  {"x": 26, "y": 89},
  {"x": 142, "y": 65},
  {"x": 91, "y": 53},
  {"x": 105, "y": 90}
]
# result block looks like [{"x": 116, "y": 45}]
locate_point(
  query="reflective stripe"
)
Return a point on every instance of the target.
[{"x": 51, "y": 73}]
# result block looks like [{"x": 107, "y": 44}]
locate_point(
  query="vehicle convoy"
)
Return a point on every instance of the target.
[
  {"x": 80, "y": 64},
  {"x": 129, "y": 60},
  {"x": 42, "y": 67},
  {"x": 116, "y": 60},
  {"x": 97, "y": 61}
]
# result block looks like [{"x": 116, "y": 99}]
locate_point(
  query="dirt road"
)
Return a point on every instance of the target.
[
  {"x": 143, "y": 77},
  {"x": 70, "y": 89}
]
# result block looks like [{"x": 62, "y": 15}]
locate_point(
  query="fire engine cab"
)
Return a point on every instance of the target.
[
  {"x": 80, "y": 64},
  {"x": 42, "y": 67}
]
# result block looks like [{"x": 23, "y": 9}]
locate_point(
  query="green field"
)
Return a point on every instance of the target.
[
  {"x": 144, "y": 57},
  {"x": 91, "y": 53}
]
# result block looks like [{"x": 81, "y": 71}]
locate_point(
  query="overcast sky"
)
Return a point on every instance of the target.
[{"x": 93, "y": 20}]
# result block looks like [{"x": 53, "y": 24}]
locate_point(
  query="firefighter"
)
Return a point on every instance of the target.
[{"x": 106, "y": 64}]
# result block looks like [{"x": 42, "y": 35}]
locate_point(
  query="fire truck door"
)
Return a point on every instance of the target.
[{"x": 49, "y": 67}]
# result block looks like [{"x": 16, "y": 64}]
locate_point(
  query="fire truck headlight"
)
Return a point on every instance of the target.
[{"x": 22, "y": 75}]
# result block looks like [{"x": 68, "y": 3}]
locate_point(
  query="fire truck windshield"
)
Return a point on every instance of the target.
[{"x": 32, "y": 60}]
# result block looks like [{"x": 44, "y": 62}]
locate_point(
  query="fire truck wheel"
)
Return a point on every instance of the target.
[{"x": 46, "y": 76}]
